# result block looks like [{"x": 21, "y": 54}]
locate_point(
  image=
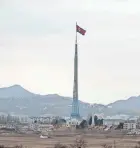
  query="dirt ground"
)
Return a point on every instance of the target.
[{"x": 93, "y": 140}]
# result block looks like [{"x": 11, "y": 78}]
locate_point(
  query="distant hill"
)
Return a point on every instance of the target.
[
  {"x": 16, "y": 99},
  {"x": 15, "y": 91},
  {"x": 130, "y": 106}
]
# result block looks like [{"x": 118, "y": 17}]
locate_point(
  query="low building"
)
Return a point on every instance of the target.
[
  {"x": 110, "y": 122},
  {"x": 72, "y": 122},
  {"x": 129, "y": 125}
]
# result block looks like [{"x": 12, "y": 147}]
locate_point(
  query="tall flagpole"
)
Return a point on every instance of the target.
[
  {"x": 76, "y": 69},
  {"x": 76, "y": 35},
  {"x": 75, "y": 104}
]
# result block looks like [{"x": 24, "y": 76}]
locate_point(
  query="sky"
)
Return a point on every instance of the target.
[{"x": 37, "y": 40}]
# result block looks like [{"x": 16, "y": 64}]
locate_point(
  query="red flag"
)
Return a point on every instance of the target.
[{"x": 80, "y": 30}]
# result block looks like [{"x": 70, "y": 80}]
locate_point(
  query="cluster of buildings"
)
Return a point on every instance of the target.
[
  {"x": 9, "y": 118},
  {"x": 129, "y": 123},
  {"x": 41, "y": 123}
]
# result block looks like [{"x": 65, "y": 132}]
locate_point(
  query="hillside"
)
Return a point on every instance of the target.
[
  {"x": 131, "y": 105},
  {"x": 16, "y": 99}
]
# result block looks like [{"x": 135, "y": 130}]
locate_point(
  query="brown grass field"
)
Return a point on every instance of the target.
[{"x": 92, "y": 138}]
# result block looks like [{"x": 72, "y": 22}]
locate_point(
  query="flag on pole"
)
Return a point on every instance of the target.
[{"x": 80, "y": 30}]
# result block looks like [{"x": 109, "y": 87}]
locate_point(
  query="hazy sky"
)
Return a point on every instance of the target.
[{"x": 37, "y": 46}]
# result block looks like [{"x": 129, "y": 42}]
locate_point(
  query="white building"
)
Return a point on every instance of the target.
[
  {"x": 129, "y": 125},
  {"x": 72, "y": 122},
  {"x": 110, "y": 122}
]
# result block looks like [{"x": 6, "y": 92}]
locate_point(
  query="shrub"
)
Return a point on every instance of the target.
[
  {"x": 58, "y": 145},
  {"x": 17, "y": 146},
  {"x": 107, "y": 146},
  {"x": 79, "y": 143},
  {"x": 138, "y": 145}
]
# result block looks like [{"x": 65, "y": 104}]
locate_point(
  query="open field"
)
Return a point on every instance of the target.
[{"x": 93, "y": 140}]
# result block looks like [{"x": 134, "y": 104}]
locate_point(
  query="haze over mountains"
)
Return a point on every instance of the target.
[{"x": 15, "y": 99}]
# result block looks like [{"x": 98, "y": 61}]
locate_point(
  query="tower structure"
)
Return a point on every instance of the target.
[{"x": 75, "y": 104}]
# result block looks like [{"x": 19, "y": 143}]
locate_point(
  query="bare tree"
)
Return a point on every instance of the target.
[
  {"x": 138, "y": 145},
  {"x": 107, "y": 146},
  {"x": 79, "y": 143},
  {"x": 58, "y": 145}
]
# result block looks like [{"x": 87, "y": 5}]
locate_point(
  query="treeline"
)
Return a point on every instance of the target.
[{"x": 98, "y": 122}]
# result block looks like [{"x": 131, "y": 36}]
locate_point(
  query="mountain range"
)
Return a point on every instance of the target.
[{"x": 15, "y": 99}]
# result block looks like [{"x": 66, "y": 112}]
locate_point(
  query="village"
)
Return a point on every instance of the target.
[{"x": 45, "y": 125}]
